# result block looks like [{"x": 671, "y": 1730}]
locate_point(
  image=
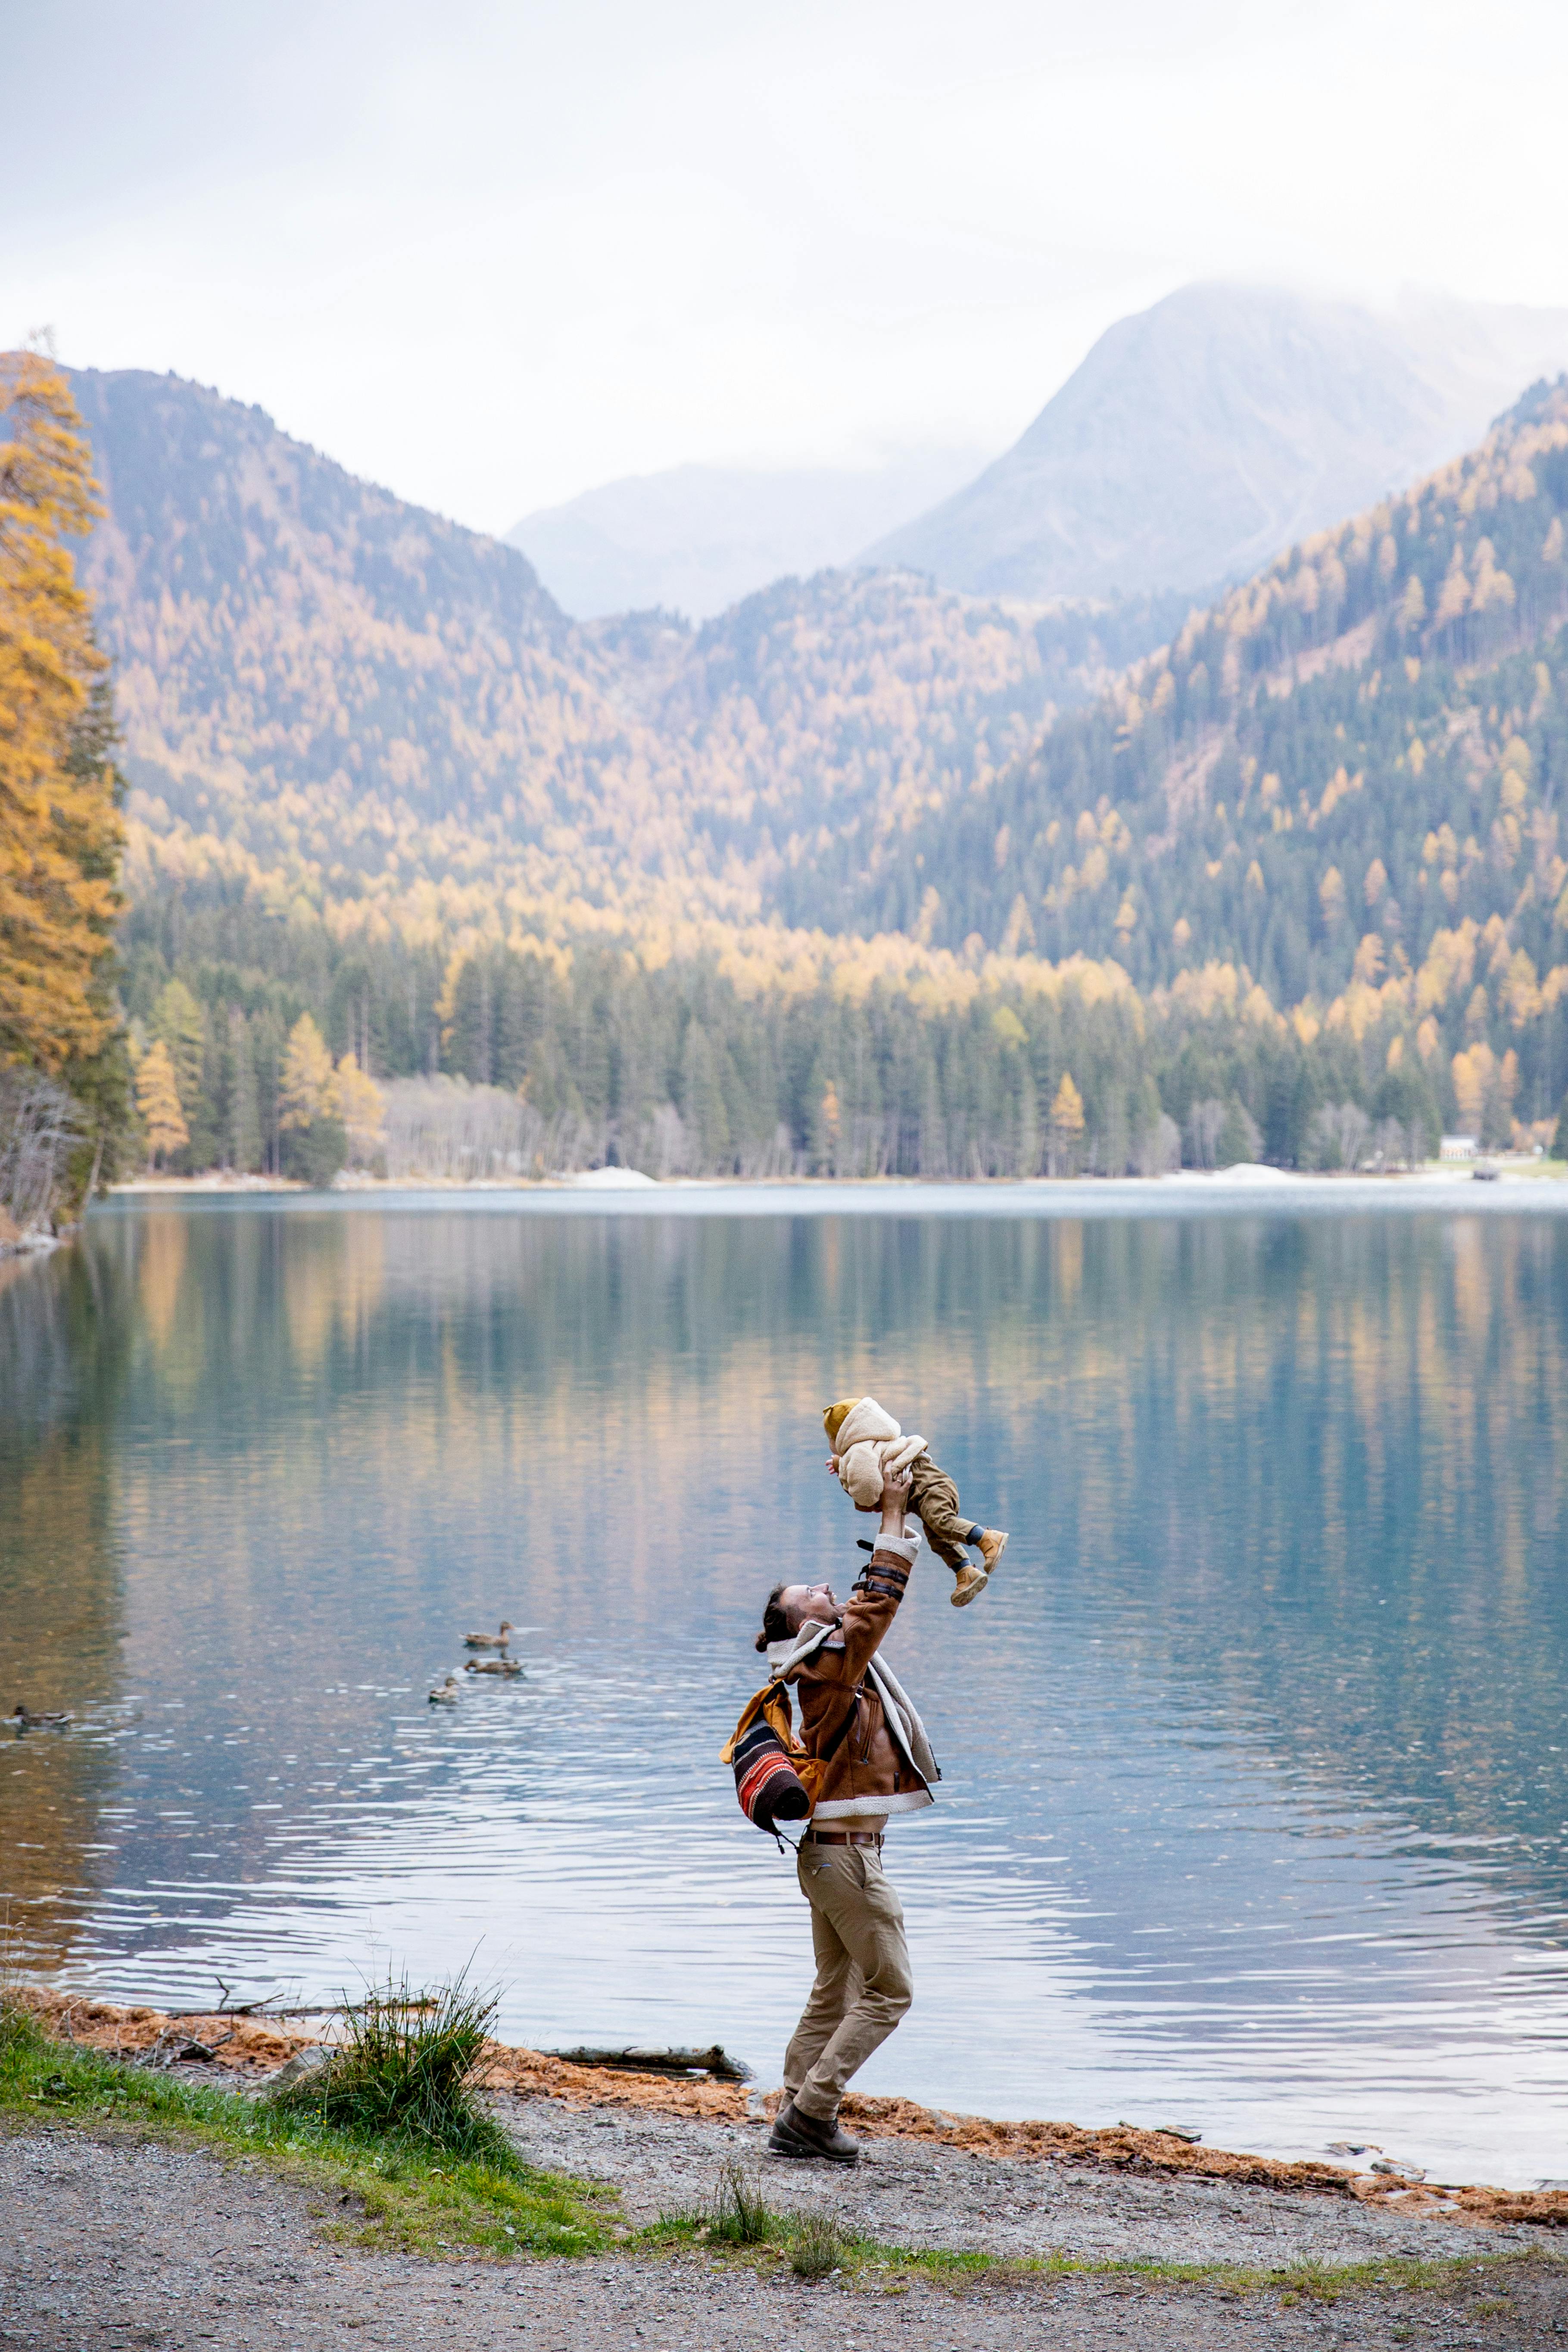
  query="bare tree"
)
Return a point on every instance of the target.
[
  {"x": 40, "y": 1125},
  {"x": 1337, "y": 1136},
  {"x": 1204, "y": 1121}
]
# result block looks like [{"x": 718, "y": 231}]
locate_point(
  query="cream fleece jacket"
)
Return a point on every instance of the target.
[{"x": 869, "y": 1443}]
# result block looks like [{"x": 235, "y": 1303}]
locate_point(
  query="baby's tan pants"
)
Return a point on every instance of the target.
[{"x": 935, "y": 1498}]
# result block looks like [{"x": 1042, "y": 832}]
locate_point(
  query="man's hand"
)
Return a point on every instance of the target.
[{"x": 896, "y": 1484}]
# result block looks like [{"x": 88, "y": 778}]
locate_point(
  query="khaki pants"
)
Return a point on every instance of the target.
[
  {"x": 935, "y": 1499},
  {"x": 863, "y": 1985}
]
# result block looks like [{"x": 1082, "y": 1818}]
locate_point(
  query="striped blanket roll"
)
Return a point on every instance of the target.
[{"x": 766, "y": 1782}]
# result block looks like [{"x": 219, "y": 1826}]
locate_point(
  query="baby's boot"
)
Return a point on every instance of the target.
[
  {"x": 993, "y": 1544},
  {"x": 970, "y": 1579},
  {"x": 967, "y": 1582}
]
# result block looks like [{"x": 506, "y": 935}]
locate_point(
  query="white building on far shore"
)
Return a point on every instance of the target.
[{"x": 1458, "y": 1147}]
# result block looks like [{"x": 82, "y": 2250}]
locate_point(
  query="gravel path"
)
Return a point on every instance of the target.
[
  {"x": 124, "y": 2243},
  {"x": 913, "y": 2193}
]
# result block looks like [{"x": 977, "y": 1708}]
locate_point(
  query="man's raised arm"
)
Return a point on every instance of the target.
[{"x": 874, "y": 1603}]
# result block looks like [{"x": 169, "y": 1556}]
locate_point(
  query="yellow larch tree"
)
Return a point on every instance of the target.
[
  {"x": 361, "y": 1106},
  {"x": 1066, "y": 1122},
  {"x": 308, "y": 1087},
  {"x": 158, "y": 1101},
  {"x": 60, "y": 832}
]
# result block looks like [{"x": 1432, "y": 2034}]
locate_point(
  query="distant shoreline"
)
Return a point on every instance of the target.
[
  {"x": 1520, "y": 1185},
  {"x": 1254, "y": 1176}
]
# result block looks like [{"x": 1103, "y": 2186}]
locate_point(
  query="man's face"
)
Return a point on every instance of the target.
[{"x": 810, "y": 1604}]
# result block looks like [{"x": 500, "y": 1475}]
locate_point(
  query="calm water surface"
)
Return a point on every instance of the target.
[{"x": 1257, "y": 1767}]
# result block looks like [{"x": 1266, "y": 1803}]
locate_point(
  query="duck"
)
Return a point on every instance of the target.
[
  {"x": 493, "y": 1666},
  {"x": 26, "y": 1720},
  {"x": 446, "y": 1694},
  {"x": 490, "y": 1641}
]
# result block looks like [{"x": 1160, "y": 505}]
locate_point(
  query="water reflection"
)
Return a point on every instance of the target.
[{"x": 1256, "y": 1780}]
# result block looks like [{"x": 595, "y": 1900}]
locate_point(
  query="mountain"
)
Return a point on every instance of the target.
[
  {"x": 858, "y": 874},
  {"x": 700, "y": 538},
  {"x": 329, "y": 697},
  {"x": 1203, "y": 435}
]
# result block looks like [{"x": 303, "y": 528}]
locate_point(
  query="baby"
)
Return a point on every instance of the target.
[{"x": 865, "y": 1442}]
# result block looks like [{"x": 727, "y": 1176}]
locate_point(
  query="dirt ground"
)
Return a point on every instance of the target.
[{"x": 121, "y": 2242}]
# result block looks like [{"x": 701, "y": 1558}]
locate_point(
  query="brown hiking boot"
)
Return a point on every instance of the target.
[
  {"x": 970, "y": 1581},
  {"x": 800, "y": 2135}
]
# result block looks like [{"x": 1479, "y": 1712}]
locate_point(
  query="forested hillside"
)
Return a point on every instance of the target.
[
  {"x": 1343, "y": 777},
  {"x": 330, "y": 697}
]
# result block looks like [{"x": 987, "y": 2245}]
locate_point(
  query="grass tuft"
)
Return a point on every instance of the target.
[
  {"x": 817, "y": 2247},
  {"x": 403, "y": 2073},
  {"x": 740, "y": 2213}
]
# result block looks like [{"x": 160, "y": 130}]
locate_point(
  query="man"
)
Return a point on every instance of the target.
[{"x": 874, "y": 1761}]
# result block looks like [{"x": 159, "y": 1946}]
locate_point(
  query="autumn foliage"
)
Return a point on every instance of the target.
[{"x": 59, "y": 829}]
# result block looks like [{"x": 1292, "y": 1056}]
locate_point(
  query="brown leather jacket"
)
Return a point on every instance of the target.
[{"x": 865, "y": 1775}]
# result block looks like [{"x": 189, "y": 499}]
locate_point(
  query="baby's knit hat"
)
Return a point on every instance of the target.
[{"x": 834, "y": 1417}]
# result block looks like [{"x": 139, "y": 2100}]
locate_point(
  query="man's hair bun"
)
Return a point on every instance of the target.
[{"x": 775, "y": 1624}]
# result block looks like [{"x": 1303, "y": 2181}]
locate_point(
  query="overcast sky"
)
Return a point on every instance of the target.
[{"x": 491, "y": 252}]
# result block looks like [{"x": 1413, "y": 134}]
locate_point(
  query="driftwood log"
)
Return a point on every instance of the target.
[{"x": 715, "y": 2062}]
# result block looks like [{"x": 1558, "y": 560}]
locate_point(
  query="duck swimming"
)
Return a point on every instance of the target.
[
  {"x": 493, "y": 1666},
  {"x": 446, "y": 1694},
  {"x": 26, "y": 1720},
  {"x": 489, "y": 1641}
]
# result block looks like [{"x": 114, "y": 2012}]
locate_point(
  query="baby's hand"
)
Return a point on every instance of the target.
[{"x": 833, "y": 1464}]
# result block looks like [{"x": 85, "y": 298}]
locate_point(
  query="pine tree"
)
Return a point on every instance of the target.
[
  {"x": 60, "y": 832},
  {"x": 158, "y": 1101},
  {"x": 244, "y": 1115},
  {"x": 266, "y": 1051}
]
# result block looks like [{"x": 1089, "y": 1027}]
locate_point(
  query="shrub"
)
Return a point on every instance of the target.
[{"x": 315, "y": 1153}]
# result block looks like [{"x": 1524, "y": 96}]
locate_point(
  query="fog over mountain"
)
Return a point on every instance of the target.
[
  {"x": 697, "y": 539},
  {"x": 1202, "y": 435}
]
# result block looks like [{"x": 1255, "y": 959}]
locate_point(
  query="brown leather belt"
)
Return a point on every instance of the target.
[{"x": 842, "y": 1837}]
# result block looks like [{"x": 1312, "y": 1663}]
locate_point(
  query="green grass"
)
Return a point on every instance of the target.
[
  {"x": 385, "y": 2193},
  {"x": 813, "y": 2246}
]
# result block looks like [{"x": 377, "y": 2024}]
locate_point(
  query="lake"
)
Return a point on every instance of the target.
[{"x": 1255, "y": 1754}]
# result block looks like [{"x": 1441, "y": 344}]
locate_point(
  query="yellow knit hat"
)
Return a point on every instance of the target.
[{"x": 834, "y": 1417}]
